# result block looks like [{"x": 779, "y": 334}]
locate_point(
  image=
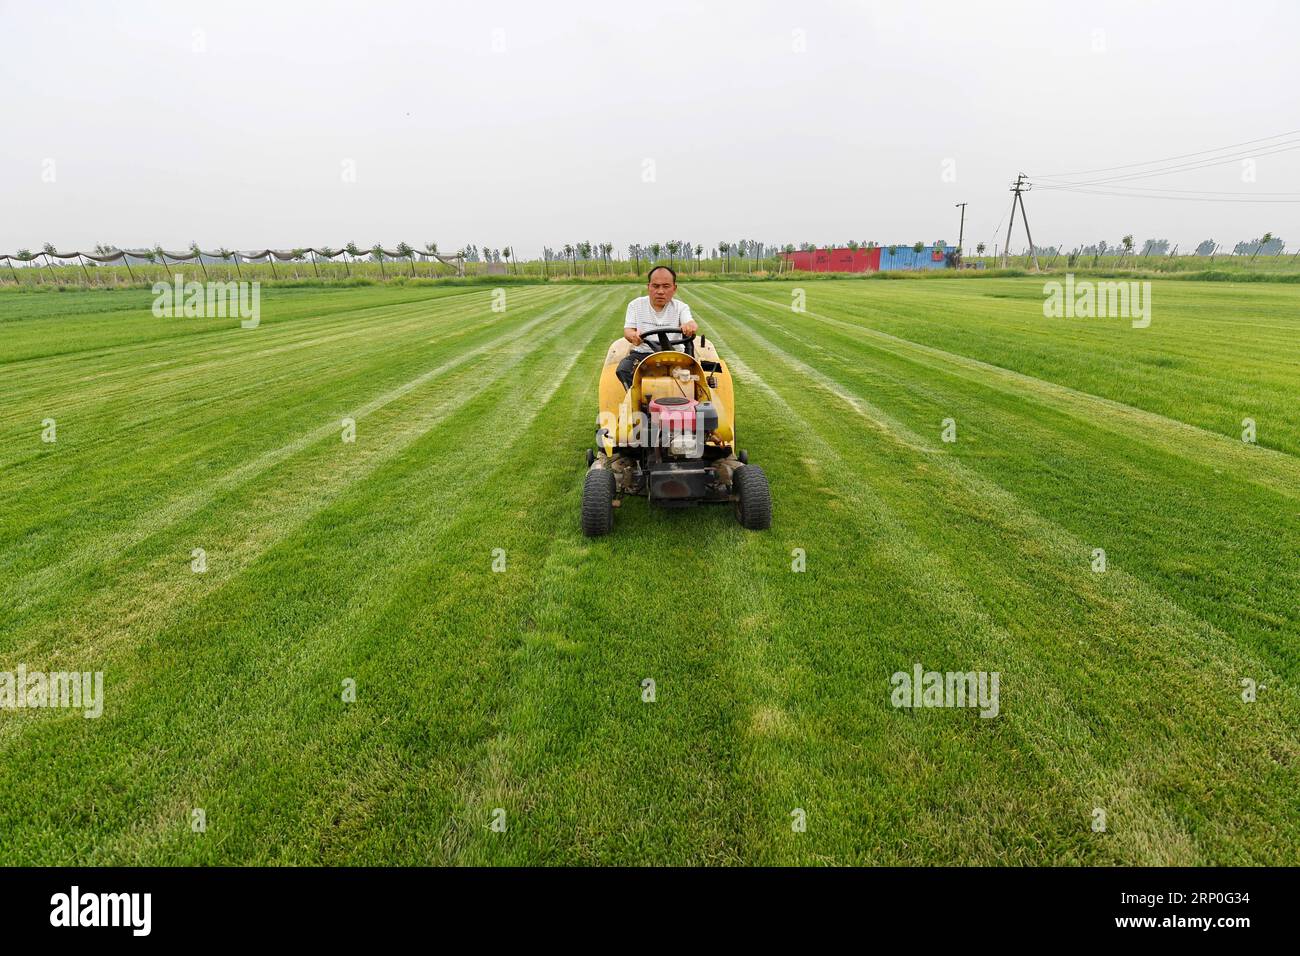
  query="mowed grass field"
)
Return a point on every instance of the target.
[{"x": 373, "y": 561}]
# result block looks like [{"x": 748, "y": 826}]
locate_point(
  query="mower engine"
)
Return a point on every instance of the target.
[
  {"x": 672, "y": 425},
  {"x": 680, "y": 425}
]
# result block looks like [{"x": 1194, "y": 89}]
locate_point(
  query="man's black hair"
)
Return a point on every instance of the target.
[{"x": 650, "y": 275}]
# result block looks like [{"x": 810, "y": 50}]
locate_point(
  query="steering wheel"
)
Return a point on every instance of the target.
[{"x": 664, "y": 345}]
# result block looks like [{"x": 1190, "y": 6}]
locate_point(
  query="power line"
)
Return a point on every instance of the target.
[
  {"x": 1118, "y": 195},
  {"x": 1152, "y": 162},
  {"x": 1201, "y": 192},
  {"x": 1180, "y": 168}
]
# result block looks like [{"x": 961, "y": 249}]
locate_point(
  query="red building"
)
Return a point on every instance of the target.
[{"x": 835, "y": 260}]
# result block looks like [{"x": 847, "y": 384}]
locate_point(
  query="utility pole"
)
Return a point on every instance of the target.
[
  {"x": 961, "y": 230},
  {"x": 1011, "y": 221},
  {"x": 1020, "y": 186}
]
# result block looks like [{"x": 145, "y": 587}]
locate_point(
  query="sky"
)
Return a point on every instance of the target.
[{"x": 284, "y": 124}]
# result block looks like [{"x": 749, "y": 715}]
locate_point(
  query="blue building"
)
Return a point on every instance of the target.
[{"x": 903, "y": 258}]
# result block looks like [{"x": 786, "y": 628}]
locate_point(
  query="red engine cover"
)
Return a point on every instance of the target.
[{"x": 673, "y": 414}]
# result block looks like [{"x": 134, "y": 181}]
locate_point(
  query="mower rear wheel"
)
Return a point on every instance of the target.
[
  {"x": 753, "y": 498},
  {"x": 598, "y": 502}
]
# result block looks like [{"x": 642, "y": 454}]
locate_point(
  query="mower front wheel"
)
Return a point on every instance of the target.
[
  {"x": 753, "y": 498},
  {"x": 598, "y": 502}
]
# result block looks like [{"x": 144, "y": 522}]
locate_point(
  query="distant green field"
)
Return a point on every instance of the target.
[{"x": 372, "y": 562}]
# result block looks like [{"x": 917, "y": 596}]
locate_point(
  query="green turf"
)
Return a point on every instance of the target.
[{"x": 521, "y": 690}]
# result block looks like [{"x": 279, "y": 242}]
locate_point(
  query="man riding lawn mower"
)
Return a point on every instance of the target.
[{"x": 666, "y": 426}]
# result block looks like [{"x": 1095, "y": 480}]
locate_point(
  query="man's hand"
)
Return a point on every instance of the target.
[
  {"x": 632, "y": 335},
  {"x": 689, "y": 329}
]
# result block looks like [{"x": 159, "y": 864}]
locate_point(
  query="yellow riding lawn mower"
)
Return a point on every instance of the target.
[{"x": 671, "y": 437}]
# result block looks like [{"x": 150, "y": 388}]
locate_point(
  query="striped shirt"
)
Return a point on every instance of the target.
[{"x": 642, "y": 317}]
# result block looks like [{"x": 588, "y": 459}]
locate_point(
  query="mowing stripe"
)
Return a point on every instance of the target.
[
  {"x": 47, "y": 580},
  {"x": 1275, "y": 469},
  {"x": 191, "y": 336},
  {"x": 1066, "y": 547},
  {"x": 1253, "y": 563},
  {"x": 232, "y": 348},
  {"x": 314, "y": 657},
  {"x": 1209, "y": 662}
]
